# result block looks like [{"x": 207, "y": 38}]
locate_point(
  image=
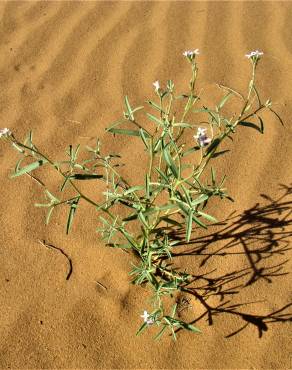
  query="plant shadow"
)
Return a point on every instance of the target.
[{"x": 259, "y": 238}]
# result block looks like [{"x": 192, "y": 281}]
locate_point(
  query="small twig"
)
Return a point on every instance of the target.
[
  {"x": 103, "y": 286},
  {"x": 43, "y": 242},
  {"x": 36, "y": 179}
]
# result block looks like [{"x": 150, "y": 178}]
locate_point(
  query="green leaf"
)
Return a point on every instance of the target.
[
  {"x": 189, "y": 225},
  {"x": 182, "y": 124},
  {"x": 129, "y": 109},
  {"x": 197, "y": 221},
  {"x": 208, "y": 217},
  {"x": 129, "y": 238},
  {"x": 224, "y": 100},
  {"x": 124, "y": 132},
  {"x": 72, "y": 213},
  {"x": 147, "y": 180},
  {"x": 231, "y": 90},
  {"x": 158, "y": 336},
  {"x": 200, "y": 199},
  {"x": 144, "y": 137},
  {"x": 64, "y": 183},
  {"x": 154, "y": 119},
  {"x": 133, "y": 188},
  {"x": 49, "y": 215},
  {"x": 29, "y": 167},
  {"x": 116, "y": 123},
  {"x": 52, "y": 197},
  {"x": 142, "y": 328},
  {"x": 163, "y": 175},
  {"x": 137, "y": 108},
  {"x": 183, "y": 96},
  {"x": 156, "y": 146},
  {"x": 183, "y": 206},
  {"x": 250, "y": 124},
  {"x": 170, "y": 162},
  {"x": 143, "y": 219},
  {"x": 189, "y": 327},
  {"x": 154, "y": 105},
  {"x": 213, "y": 174}
]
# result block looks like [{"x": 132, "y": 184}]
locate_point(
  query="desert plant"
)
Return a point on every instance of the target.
[{"x": 172, "y": 195}]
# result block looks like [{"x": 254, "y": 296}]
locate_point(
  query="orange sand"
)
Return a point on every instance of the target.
[{"x": 64, "y": 70}]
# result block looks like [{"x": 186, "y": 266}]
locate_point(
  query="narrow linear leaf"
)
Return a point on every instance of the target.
[
  {"x": 200, "y": 199},
  {"x": 189, "y": 225},
  {"x": 115, "y": 124},
  {"x": 154, "y": 119},
  {"x": 170, "y": 162},
  {"x": 231, "y": 90},
  {"x": 147, "y": 181},
  {"x": 49, "y": 215},
  {"x": 224, "y": 100},
  {"x": 208, "y": 217},
  {"x": 163, "y": 175},
  {"x": 133, "y": 188},
  {"x": 197, "y": 221},
  {"x": 129, "y": 109},
  {"x": 144, "y": 137},
  {"x": 154, "y": 105},
  {"x": 29, "y": 167},
  {"x": 142, "y": 328},
  {"x": 124, "y": 132},
  {"x": 213, "y": 175},
  {"x": 143, "y": 219},
  {"x": 158, "y": 336},
  {"x": 182, "y": 124},
  {"x": 157, "y": 145}
]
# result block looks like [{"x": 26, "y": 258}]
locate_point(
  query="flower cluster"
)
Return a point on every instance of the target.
[
  {"x": 254, "y": 54},
  {"x": 191, "y": 53},
  {"x": 5, "y": 132},
  {"x": 147, "y": 318},
  {"x": 156, "y": 85},
  {"x": 201, "y": 137}
]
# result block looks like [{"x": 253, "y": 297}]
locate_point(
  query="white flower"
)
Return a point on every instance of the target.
[
  {"x": 191, "y": 53},
  {"x": 201, "y": 137},
  {"x": 147, "y": 318},
  {"x": 156, "y": 85},
  {"x": 200, "y": 132},
  {"x": 5, "y": 132},
  {"x": 255, "y": 53}
]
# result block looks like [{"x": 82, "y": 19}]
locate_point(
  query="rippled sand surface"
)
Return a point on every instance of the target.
[{"x": 65, "y": 68}]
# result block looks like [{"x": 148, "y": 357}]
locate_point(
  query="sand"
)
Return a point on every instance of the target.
[{"x": 65, "y": 68}]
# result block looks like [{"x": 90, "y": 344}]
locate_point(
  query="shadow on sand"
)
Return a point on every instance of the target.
[{"x": 260, "y": 238}]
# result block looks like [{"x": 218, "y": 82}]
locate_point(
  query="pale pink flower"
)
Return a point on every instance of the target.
[
  {"x": 156, "y": 85},
  {"x": 5, "y": 132},
  {"x": 147, "y": 318},
  {"x": 255, "y": 53},
  {"x": 201, "y": 137}
]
